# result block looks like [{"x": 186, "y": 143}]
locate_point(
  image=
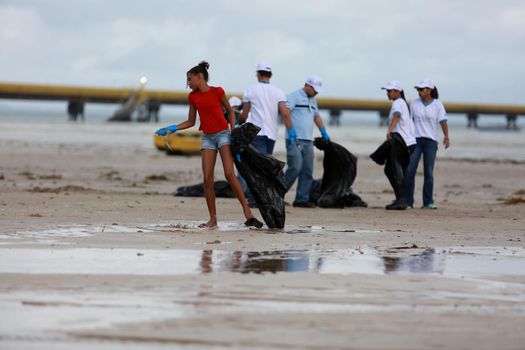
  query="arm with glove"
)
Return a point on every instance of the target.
[
  {"x": 170, "y": 129},
  {"x": 319, "y": 122},
  {"x": 287, "y": 119}
]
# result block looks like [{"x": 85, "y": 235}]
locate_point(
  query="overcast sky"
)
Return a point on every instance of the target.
[{"x": 473, "y": 49}]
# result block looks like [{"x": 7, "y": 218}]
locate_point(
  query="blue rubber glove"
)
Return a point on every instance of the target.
[
  {"x": 292, "y": 136},
  {"x": 324, "y": 134},
  {"x": 167, "y": 130}
]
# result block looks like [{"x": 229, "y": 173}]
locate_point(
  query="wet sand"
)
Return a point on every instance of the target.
[{"x": 95, "y": 251}]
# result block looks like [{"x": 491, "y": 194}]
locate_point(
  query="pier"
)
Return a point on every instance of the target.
[{"x": 77, "y": 96}]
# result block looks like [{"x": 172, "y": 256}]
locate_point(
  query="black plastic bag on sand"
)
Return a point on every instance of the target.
[
  {"x": 263, "y": 174},
  {"x": 340, "y": 170},
  {"x": 222, "y": 189}
]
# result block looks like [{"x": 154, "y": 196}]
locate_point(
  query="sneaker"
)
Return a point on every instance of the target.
[
  {"x": 429, "y": 206},
  {"x": 304, "y": 204},
  {"x": 410, "y": 207},
  {"x": 253, "y": 222},
  {"x": 398, "y": 204}
]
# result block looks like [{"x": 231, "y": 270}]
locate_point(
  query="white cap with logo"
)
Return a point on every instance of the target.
[
  {"x": 427, "y": 83},
  {"x": 264, "y": 66},
  {"x": 315, "y": 82},
  {"x": 392, "y": 85}
]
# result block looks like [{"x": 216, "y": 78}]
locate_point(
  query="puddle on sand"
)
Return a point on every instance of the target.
[
  {"x": 193, "y": 226},
  {"x": 74, "y": 231},
  {"x": 452, "y": 261},
  {"x": 39, "y": 317},
  {"x": 65, "y": 231}
]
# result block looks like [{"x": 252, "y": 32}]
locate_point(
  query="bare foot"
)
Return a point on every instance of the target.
[
  {"x": 248, "y": 213},
  {"x": 210, "y": 224}
]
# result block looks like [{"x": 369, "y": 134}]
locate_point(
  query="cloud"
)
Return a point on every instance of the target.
[
  {"x": 354, "y": 46},
  {"x": 21, "y": 29}
]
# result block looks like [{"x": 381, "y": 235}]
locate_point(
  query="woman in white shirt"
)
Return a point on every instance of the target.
[
  {"x": 395, "y": 152},
  {"x": 427, "y": 112}
]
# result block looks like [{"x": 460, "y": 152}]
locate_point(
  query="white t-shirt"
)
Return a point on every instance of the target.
[
  {"x": 427, "y": 117},
  {"x": 405, "y": 126},
  {"x": 264, "y": 101}
]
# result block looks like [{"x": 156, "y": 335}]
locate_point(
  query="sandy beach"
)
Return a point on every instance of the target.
[{"x": 96, "y": 251}]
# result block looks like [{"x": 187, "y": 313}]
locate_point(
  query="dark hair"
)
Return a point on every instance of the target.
[
  {"x": 202, "y": 67},
  {"x": 434, "y": 93},
  {"x": 264, "y": 73},
  {"x": 403, "y": 97}
]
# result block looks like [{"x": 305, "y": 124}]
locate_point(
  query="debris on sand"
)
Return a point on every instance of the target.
[
  {"x": 179, "y": 225},
  {"x": 513, "y": 200},
  {"x": 156, "y": 178},
  {"x": 214, "y": 242},
  {"x": 517, "y": 197},
  {"x": 50, "y": 177},
  {"x": 112, "y": 175},
  {"x": 67, "y": 188},
  {"x": 29, "y": 175}
]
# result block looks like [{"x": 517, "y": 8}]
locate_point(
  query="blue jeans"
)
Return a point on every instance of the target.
[
  {"x": 265, "y": 146},
  {"x": 428, "y": 149},
  {"x": 300, "y": 159}
]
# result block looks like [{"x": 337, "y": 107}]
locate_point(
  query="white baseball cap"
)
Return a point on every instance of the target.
[
  {"x": 264, "y": 66},
  {"x": 315, "y": 82},
  {"x": 392, "y": 85},
  {"x": 235, "y": 101},
  {"x": 427, "y": 83}
]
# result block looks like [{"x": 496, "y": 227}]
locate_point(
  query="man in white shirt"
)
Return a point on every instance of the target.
[{"x": 262, "y": 103}]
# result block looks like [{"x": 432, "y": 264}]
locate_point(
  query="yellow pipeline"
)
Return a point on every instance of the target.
[{"x": 115, "y": 95}]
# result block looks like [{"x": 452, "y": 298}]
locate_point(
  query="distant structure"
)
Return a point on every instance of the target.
[
  {"x": 335, "y": 117},
  {"x": 75, "y": 110},
  {"x": 123, "y": 114},
  {"x": 472, "y": 120},
  {"x": 147, "y": 103}
]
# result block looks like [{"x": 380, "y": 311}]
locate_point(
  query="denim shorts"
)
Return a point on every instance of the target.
[{"x": 216, "y": 140}]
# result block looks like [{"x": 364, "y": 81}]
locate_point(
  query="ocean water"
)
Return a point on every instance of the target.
[{"x": 359, "y": 132}]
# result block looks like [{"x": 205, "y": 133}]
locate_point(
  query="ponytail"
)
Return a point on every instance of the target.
[
  {"x": 201, "y": 68},
  {"x": 434, "y": 93},
  {"x": 404, "y": 99}
]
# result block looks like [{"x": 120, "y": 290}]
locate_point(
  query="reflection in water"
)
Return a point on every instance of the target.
[
  {"x": 427, "y": 261},
  {"x": 451, "y": 261},
  {"x": 259, "y": 262}
]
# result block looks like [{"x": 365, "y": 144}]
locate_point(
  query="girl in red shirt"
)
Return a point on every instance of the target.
[{"x": 208, "y": 101}]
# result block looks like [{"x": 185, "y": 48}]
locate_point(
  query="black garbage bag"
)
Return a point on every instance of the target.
[
  {"x": 349, "y": 199},
  {"x": 222, "y": 189},
  {"x": 263, "y": 174},
  {"x": 340, "y": 170},
  {"x": 392, "y": 148},
  {"x": 395, "y": 156}
]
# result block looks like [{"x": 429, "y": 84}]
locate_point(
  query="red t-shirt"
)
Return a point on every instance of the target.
[{"x": 210, "y": 109}]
